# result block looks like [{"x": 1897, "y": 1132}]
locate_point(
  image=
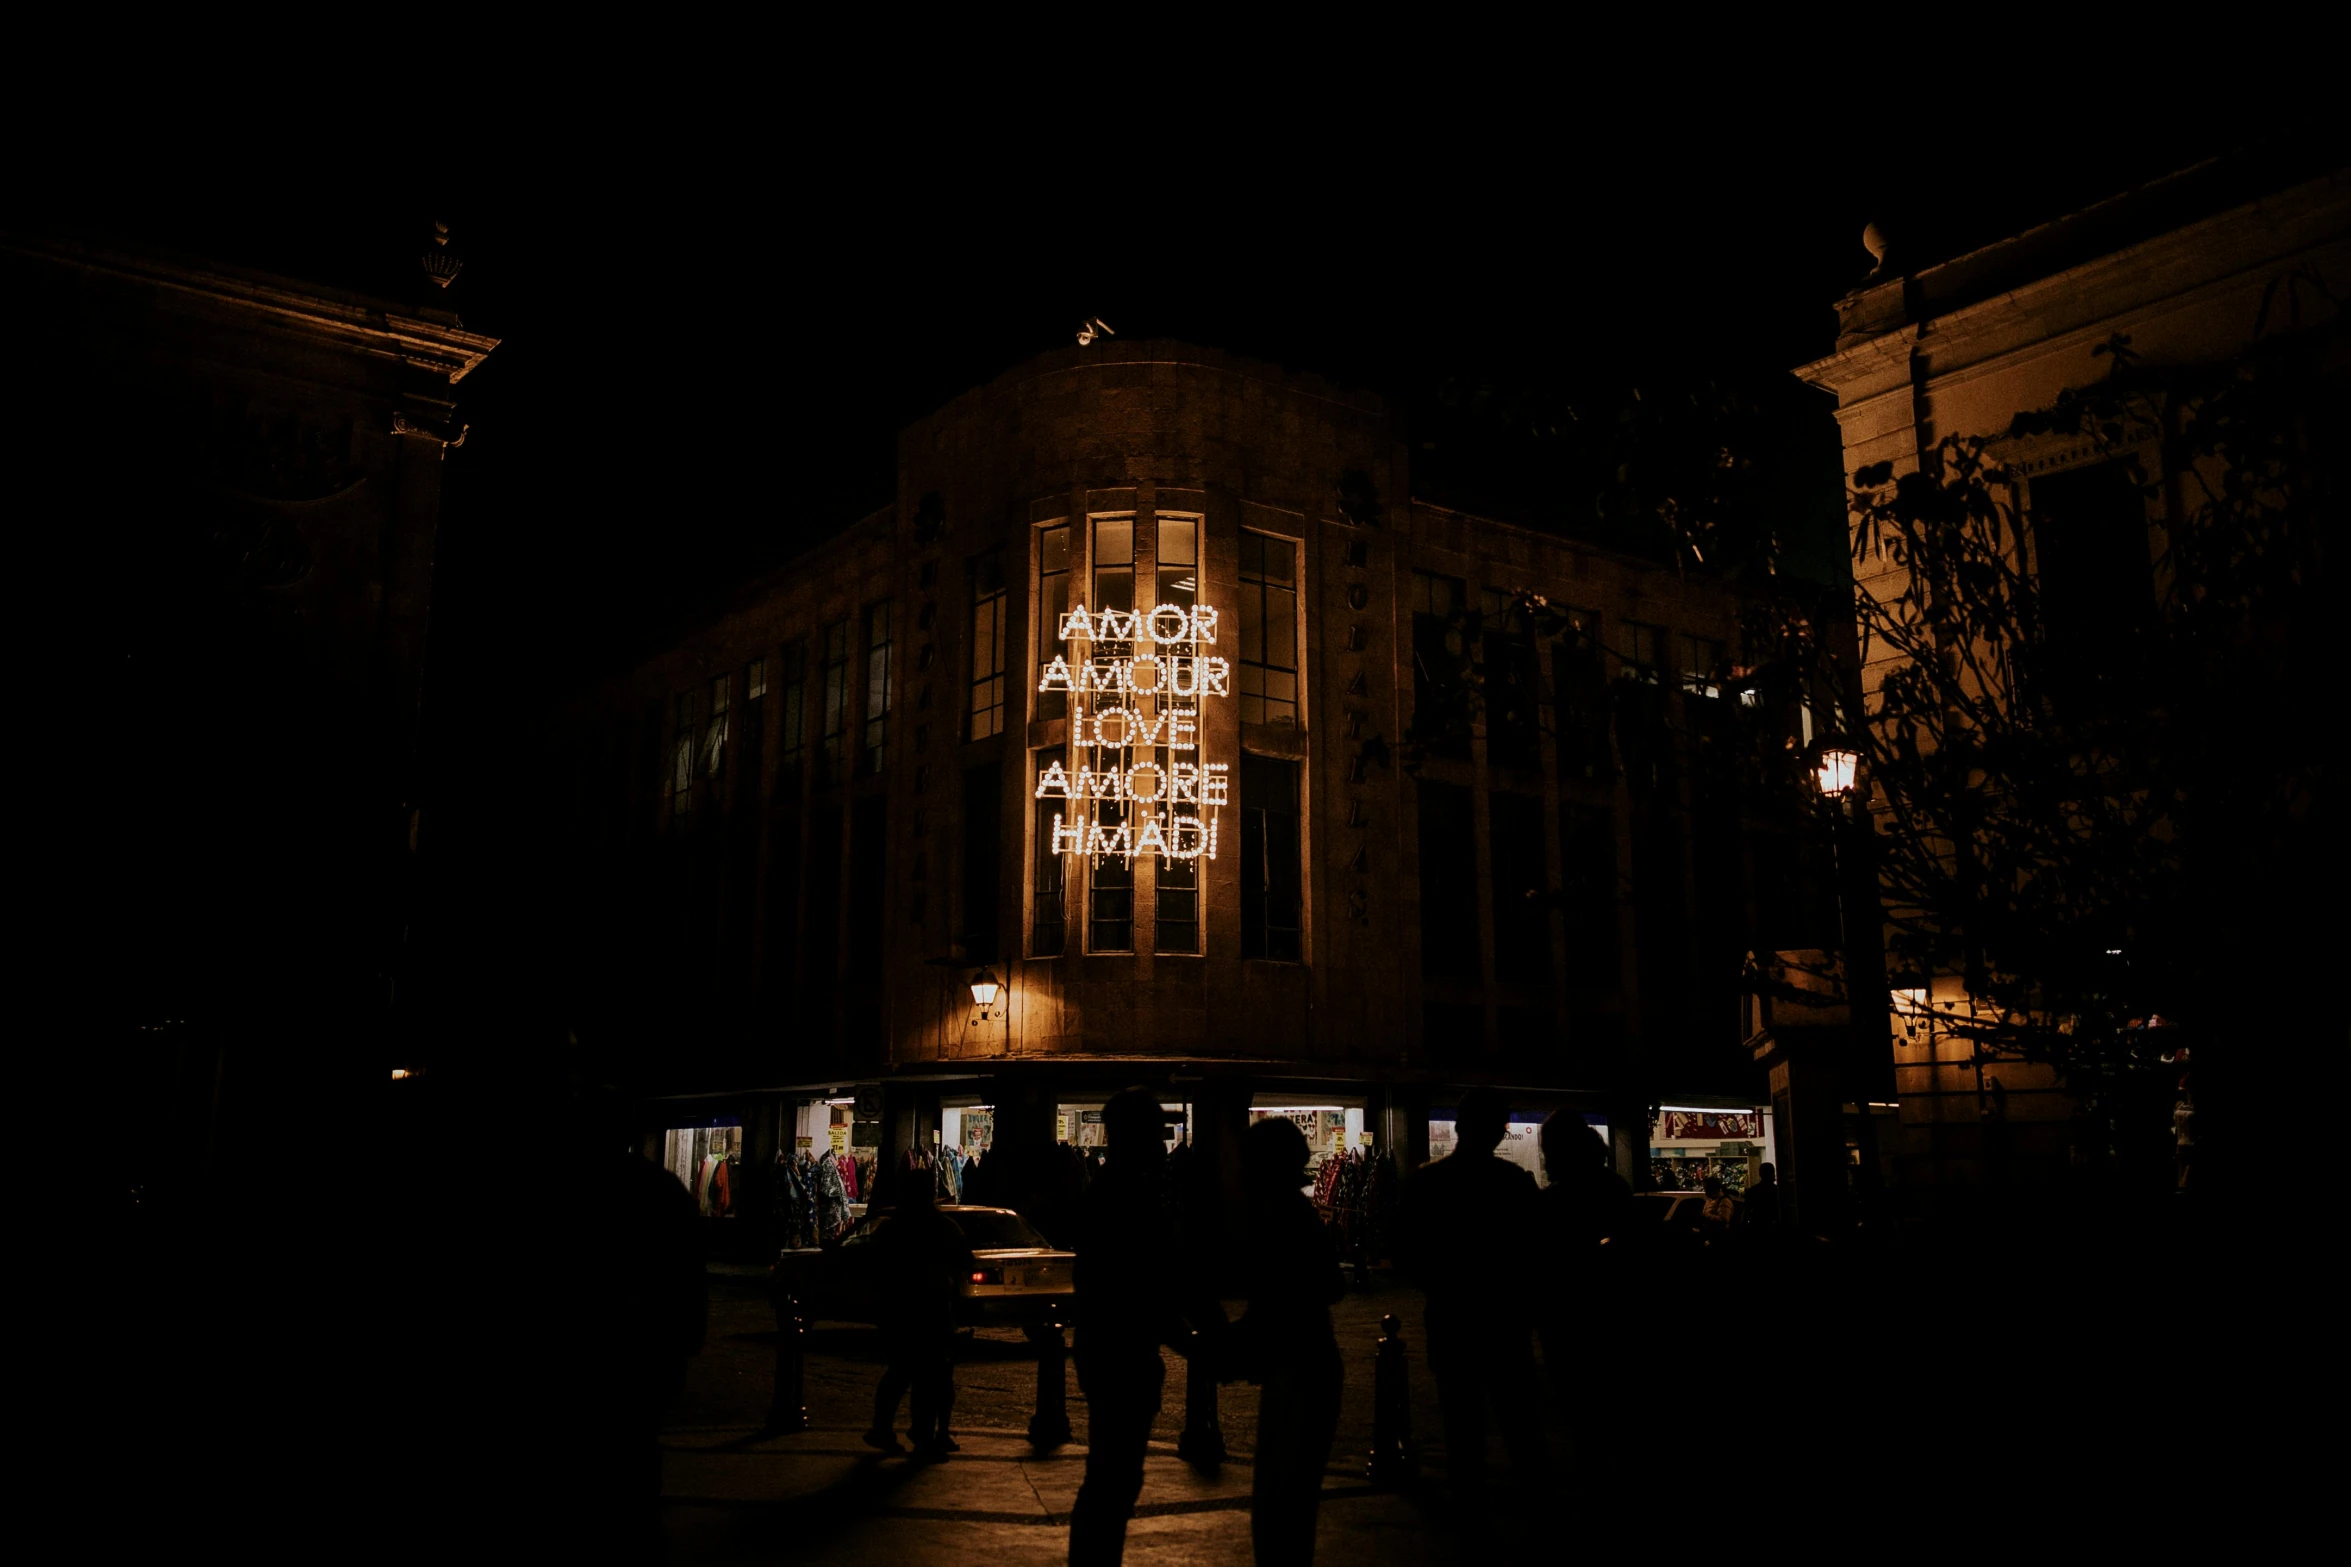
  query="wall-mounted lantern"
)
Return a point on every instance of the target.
[{"x": 986, "y": 989}]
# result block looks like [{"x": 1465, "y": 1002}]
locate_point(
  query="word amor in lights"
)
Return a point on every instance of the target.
[{"x": 1147, "y": 675}]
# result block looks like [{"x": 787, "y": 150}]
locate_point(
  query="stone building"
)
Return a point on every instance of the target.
[
  {"x": 915, "y": 758},
  {"x": 2188, "y": 270}
]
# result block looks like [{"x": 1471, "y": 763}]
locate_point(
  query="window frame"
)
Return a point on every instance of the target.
[
  {"x": 985, "y": 719},
  {"x": 1257, "y": 616},
  {"x": 880, "y": 683}
]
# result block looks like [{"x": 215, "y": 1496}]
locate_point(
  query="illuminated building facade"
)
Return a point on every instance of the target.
[
  {"x": 2186, "y": 271},
  {"x": 1116, "y": 703}
]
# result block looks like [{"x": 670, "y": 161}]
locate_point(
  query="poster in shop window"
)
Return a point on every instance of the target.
[{"x": 1686, "y": 1126}]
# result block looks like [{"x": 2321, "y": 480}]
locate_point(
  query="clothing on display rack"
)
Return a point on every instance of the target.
[
  {"x": 1355, "y": 1194},
  {"x": 832, "y": 1200}
]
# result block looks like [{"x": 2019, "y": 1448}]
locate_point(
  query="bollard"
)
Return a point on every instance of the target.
[
  {"x": 1049, "y": 1426},
  {"x": 1394, "y": 1464},
  {"x": 785, "y": 1409},
  {"x": 1202, "y": 1444}
]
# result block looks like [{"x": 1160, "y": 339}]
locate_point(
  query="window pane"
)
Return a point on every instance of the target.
[
  {"x": 1178, "y": 541},
  {"x": 987, "y": 645},
  {"x": 1281, "y": 628},
  {"x": 1046, "y": 928},
  {"x": 1271, "y": 877},
  {"x": 1114, "y": 541},
  {"x": 1052, "y": 603}
]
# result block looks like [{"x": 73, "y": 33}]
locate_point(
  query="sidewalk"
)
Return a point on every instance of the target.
[{"x": 732, "y": 1495}]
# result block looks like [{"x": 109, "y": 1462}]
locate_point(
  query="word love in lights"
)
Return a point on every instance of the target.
[{"x": 1135, "y": 682}]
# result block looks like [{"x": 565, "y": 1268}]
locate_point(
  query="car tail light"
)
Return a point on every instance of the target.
[{"x": 987, "y": 1275}]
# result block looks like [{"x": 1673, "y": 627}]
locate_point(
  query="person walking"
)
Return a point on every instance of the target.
[
  {"x": 1287, "y": 1345},
  {"x": 1763, "y": 1202},
  {"x": 1473, "y": 1220},
  {"x": 1128, "y": 1296},
  {"x": 1582, "y": 1207},
  {"x": 923, "y": 1261}
]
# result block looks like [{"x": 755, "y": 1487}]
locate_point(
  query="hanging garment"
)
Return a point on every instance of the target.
[
  {"x": 722, "y": 1190},
  {"x": 804, "y": 1176},
  {"x": 832, "y": 1200}
]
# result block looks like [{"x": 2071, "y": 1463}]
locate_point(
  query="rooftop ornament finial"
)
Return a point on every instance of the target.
[
  {"x": 440, "y": 263},
  {"x": 1873, "y": 240}
]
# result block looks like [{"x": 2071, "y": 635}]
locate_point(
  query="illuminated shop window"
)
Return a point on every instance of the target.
[
  {"x": 877, "y": 686},
  {"x": 1052, "y": 602},
  {"x": 1048, "y": 921},
  {"x": 987, "y": 644},
  {"x": 681, "y": 772},
  {"x": 791, "y": 709},
  {"x": 1269, "y": 630},
  {"x": 836, "y": 693}
]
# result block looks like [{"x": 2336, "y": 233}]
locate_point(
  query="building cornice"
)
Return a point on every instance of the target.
[
  {"x": 2200, "y": 259},
  {"x": 432, "y": 342}
]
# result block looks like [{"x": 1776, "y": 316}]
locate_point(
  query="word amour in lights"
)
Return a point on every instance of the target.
[{"x": 1135, "y": 682}]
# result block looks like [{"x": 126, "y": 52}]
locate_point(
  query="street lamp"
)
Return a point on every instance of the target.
[
  {"x": 985, "y": 988},
  {"x": 1836, "y": 773}
]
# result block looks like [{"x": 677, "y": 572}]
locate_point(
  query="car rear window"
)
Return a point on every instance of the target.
[{"x": 998, "y": 1232}]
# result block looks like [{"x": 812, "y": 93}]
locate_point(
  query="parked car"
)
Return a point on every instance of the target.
[{"x": 1017, "y": 1276}]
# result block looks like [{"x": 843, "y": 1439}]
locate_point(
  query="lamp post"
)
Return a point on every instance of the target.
[{"x": 1836, "y": 772}]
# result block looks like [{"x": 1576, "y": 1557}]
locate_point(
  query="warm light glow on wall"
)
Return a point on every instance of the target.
[{"x": 1135, "y": 682}]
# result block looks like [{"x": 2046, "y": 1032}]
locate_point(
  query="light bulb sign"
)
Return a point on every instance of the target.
[{"x": 1135, "y": 781}]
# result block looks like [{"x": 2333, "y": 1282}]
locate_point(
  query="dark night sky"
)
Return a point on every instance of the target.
[{"x": 708, "y": 345}]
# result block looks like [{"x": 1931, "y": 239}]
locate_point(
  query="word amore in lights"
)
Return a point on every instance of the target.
[{"x": 1135, "y": 682}]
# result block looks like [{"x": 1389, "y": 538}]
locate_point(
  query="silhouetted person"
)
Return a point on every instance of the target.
[
  {"x": 635, "y": 1311},
  {"x": 923, "y": 1260},
  {"x": 1473, "y": 1219},
  {"x": 1719, "y": 1213},
  {"x": 1127, "y": 1304},
  {"x": 1763, "y": 1202},
  {"x": 1584, "y": 1205},
  {"x": 1286, "y": 1338}
]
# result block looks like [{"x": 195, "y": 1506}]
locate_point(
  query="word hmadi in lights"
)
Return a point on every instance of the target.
[{"x": 1135, "y": 683}]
